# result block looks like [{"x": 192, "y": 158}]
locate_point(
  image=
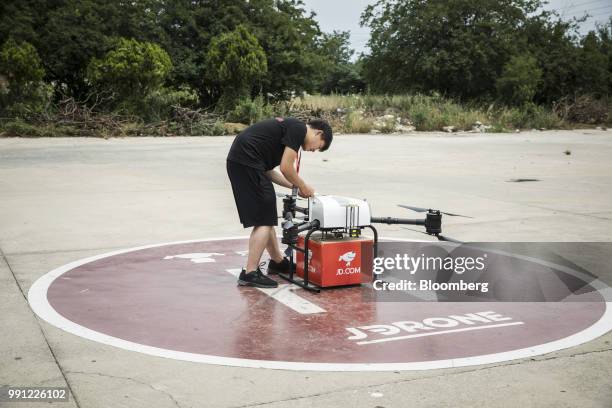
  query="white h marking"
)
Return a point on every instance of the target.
[{"x": 284, "y": 294}]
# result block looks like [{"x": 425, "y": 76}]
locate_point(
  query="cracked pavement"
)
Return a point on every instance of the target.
[{"x": 66, "y": 199}]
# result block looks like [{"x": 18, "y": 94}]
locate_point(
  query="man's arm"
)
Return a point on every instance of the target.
[
  {"x": 278, "y": 178},
  {"x": 288, "y": 170}
]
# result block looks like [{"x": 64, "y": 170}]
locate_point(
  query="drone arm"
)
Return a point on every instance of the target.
[
  {"x": 391, "y": 220},
  {"x": 308, "y": 225},
  {"x": 291, "y": 230},
  {"x": 432, "y": 222}
]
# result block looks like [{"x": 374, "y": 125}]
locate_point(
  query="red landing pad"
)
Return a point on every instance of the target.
[{"x": 181, "y": 300}]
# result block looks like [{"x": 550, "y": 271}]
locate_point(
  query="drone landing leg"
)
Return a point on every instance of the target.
[{"x": 304, "y": 283}]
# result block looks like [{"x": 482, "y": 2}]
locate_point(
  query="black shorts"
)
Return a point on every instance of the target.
[{"x": 254, "y": 195}]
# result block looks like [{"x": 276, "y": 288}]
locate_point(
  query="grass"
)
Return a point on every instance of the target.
[
  {"x": 346, "y": 113},
  {"x": 20, "y": 128},
  {"x": 355, "y": 122},
  {"x": 426, "y": 113}
]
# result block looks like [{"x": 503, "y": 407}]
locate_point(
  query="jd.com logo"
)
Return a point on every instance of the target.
[{"x": 348, "y": 257}]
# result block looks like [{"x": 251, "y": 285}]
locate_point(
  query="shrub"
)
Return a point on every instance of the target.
[
  {"x": 386, "y": 125},
  {"x": 588, "y": 109},
  {"x": 541, "y": 117},
  {"x": 528, "y": 116},
  {"x": 354, "y": 122},
  {"x": 519, "y": 80},
  {"x": 235, "y": 60},
  {"x": 23, "y": 92},
  {"x": 131, "y": 70},
  {"x": 207, "y": 128},
  {"x": 249, "y": 111},
  {"x": 20, "y": 128},
  {"x": 159, "y": 104},
  {"x": 20, "y": 63}
]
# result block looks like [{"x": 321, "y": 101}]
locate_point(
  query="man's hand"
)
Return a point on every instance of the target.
[{"x": 306, "y": 191}]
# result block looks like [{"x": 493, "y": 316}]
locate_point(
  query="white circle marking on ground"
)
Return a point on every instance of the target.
[{"x": 37, "y": 297}]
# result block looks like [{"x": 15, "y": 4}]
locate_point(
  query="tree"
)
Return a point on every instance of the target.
[
  {"x": 131, "y": 70},
  {"x": 336, "y": 71},
  {"x": 69, "y": 33},
  {"x": 283, "y": 29},
  {"x": 235, "y": 60},
  {"x": 519, "y": 80},
  {"x": 604, "y": 32},
  {"x": 458, "y": 48},
  {"x": 335, "y": 47},
  {"x": 593, "y": 66},
  {"x": 554, "y": 45},
  {"x": 288, "y": 36},
  {"x": 20, "y": 63},
  {"x": 21, "y": 68}
]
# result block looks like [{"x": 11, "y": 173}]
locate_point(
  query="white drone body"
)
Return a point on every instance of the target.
[{"x": 338, "y": 212}]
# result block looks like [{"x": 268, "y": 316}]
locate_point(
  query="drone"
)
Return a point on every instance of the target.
[{"x": 342, "y": 216}]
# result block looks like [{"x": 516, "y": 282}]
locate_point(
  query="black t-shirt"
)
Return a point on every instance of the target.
[{"x": 262, "y": 145}]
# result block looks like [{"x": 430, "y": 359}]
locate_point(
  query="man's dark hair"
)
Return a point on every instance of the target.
[{"x": 322, "y": 125}]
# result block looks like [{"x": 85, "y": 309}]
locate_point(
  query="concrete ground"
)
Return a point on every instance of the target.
[{"x": 66, "y": 199}]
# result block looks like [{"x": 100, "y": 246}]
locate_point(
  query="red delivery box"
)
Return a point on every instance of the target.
[{"x": 336, "y": 261}]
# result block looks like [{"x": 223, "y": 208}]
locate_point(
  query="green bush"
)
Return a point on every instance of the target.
[
  {"x": 235, "y": 60},
  {"x": 22, "y": 91},
  {"x": 527, "y": 117},
  {"x": 131, "y": 70},
  {"x": 541, "y": 117},
  {"x": 208, "y": 129},
  {"x": 20, "y": 63},
  {"x": 519, "y": 80},
  {"x": 354, "y": 122},
  {"x": 159, "y": 104},
  {"x": 497, "y": 128},
  {"x": 20, "y": 128},
  {"x": 249, "y": 111}
]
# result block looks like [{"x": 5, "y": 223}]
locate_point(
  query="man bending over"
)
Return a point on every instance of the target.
[{"x": 255, "y": 153}]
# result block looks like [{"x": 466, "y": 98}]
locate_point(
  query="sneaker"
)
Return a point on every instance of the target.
[
  {"x": 279, "y": 267},
  {"x": 256, "y": 279}
]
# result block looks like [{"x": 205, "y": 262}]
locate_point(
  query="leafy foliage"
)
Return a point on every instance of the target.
[
  {"x": 458, "y": 47},
  {"x": 337, "y": 73},
  {"x": 235, "y": 60},
  {"x": 251, "y": 110},
  {"x": 131, "y": 69},
  {"x": 517, "y": 85},
  {"x": 20, "y": 63},
  {"x": 483, "y": 49},
  {"x": 154, "y": 55},
  {"x": 23, "y": 91}
]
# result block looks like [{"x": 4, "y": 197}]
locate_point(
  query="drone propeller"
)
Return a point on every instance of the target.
[
  {"x": 440, "y": 237},
  {"x": 449, "y": 239},
  {"x": 419, "y": 209}
]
